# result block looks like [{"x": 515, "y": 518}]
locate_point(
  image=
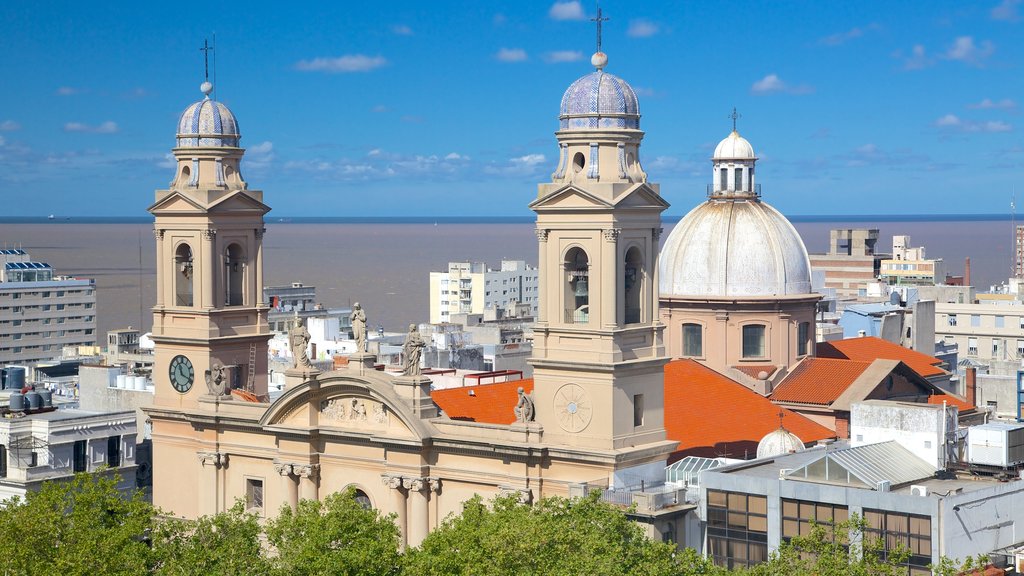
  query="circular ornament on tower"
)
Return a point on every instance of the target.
[
  {"x": 573, "y": 407},
  {"x": 182, "y": 373}
]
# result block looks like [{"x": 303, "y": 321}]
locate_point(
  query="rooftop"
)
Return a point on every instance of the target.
[
  {"x": 869, "y": 348},
  {"x": 819, "y": 380},
  {"x": 488, "y": 403}
]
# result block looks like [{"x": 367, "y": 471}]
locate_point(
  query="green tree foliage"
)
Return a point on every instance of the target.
[
  {"x": 226, "y": 544},
  {"x": 334, "y": 536},
  {"x": 81, "y": 527},
  {"x": 555, "y": 537}
]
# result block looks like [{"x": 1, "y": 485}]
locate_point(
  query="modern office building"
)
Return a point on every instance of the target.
[
  {"x": 908, "y": 265},
  {"x": 40, "y": 312},
  {"x": 851, "y": 261},
  {"x": 472, "y": 287}
]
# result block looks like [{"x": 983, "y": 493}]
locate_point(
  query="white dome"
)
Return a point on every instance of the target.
[
  {"x": 734, "y": 247},
  {"x": 779, "y": 442},
  {"x": 734, "y": 147}
]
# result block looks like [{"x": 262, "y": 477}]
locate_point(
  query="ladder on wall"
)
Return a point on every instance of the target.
[{"x": 250, "y": 384}]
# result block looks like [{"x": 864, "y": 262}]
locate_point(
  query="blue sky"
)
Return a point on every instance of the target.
[{"x": 418, "y": 108}]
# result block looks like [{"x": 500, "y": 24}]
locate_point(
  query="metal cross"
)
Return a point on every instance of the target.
[
  {"x": 735, "y": 115},
  {"x": 206, "y": 58},
  {"x": 599, "y": 20},
  {"x": 781, "y": 413}
]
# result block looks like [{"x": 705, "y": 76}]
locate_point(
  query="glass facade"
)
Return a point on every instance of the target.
[
  {"x": 798, "y": 516},
  {"x": 737, "y": 528},
  {"x": 894, "y": 532}
]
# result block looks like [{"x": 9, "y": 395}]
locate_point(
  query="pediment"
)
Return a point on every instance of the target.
[
  {"x": 176, "y": 202},
  {"x": 570, "y": 198},
  {"x": 238, "y": 202},
  {"x": 641, "y": 197}
]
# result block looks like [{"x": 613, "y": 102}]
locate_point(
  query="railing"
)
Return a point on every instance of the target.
[
  {"x": 732, "y": 191},
  {"x": 577, "y": 316}
]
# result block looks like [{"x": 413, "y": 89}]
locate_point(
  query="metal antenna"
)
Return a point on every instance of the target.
[
  {"x": 206, "y": 59},
  {"x": 599, "y": 20},
  {"x": 735, "y": 116}
]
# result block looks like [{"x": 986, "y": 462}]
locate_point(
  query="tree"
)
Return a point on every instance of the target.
[
  {"x": 228, "y": 544},
  {"x": 555, "y": 536},
  {"x": 334, "y": 536},
  {"x": 80, "y": 527}
]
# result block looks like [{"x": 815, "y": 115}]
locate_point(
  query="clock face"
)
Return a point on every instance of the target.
[
  {"x": 572, "y": 404},
  {"x": 182, "y": 374}
]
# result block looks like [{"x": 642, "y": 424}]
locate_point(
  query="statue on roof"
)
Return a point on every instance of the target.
[
  {"x": 524, "y": 409},
  {"x": 298, "y": 339},
  {"x": 411, "y": 352},
  {"x": 358, "y": 318}
]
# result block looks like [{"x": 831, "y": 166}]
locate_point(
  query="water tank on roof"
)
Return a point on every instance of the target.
[
  {"x": 47, "y": 397},
  {"x": 15, "y": 378},
  {"x": 17, "y": 402},
  {"x": 34, "y": 400},
  {"x": 121, "y": 379}
]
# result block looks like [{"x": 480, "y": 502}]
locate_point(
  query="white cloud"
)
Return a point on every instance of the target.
[
  {"x": 1006, "y": 10},
  {"x": 526, "y": 165},
  {"x": 917, "y": 60},
  {"x": 988, "y": 104},
  {"x": 374, "y": 152},
  {"x": 642, "y": 29},
  {"x": 260, "y": 155},
  {"x": 953, "y": 122},
  {"x": 851, "y": 34},
  {"x": 342, "y": 64},
  {"x": 772, "y": 83},
  {"x": 68, "y": 91},
  {"x": 965, "y": 50},
  {"x": 401, "y": 30},
  {"x": 456, "y": 156},
  {"x": 108, "y": 127},
  {"x": 563, "y": 56},
  {"x": 511, "y": 55},
  {"x": 9, "y": 126},
  {"x": 571, "y": 10}
]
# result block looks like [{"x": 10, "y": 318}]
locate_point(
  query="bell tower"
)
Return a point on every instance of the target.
[
  {"x": 209, "y": 323},
  {"x": 598, "y": 354}
]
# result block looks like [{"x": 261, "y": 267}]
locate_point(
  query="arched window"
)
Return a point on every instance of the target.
[
  {"x": 633, "y": 285},
  {"x": 753, "y": 341},
  {"x": 724, "y": 180},
  {"x": 577, "y": 289},
  {"x": 183, "y": 276},
  {"x": 362, "y": 499},
  {"x": 234, "y": 261},
  {"x": 693, "y": 340}
]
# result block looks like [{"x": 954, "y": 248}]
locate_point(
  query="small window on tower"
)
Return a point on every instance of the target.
[
  {"x": 724, "y": 180},
  {"x": 578, "y": 161},
  {"x": 738, "y": 178},
  {"x": 638, "y": 410}
]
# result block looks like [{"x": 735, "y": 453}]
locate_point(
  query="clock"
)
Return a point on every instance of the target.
[
  {"x": 572, "y": 405},
  {"x": 182, "y": 374}
]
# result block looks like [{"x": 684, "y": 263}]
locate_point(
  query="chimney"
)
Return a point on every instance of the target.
[
  {"x": 972, "y": 385},
  {"x": 967, "y": 271}
]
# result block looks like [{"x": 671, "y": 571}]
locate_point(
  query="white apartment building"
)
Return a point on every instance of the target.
[
  {"x": 41, "y": 313},
  {"x": 988, "y": 332},
  {"x": 471, "y": 287},
  {"x": 910, "y": 266}
]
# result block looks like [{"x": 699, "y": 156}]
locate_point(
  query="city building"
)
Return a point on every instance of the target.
[
  {"x": 910, "y": 266},
  {"x": 1018, "y": 257},
  {"x": 594, "y": 418},
  {"x": 735, "y": 278},
  {"x": 472, "y": 288},
  {"x": 851, "y": 261},
  {"x": 40, "y": 312}
]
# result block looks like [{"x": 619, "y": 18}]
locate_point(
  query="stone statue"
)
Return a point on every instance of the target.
[
  {"x": 217, "y": 380},
  {"x": 412, "y": 350},
  {"x": 524, "y": 408},
  {"x": 358, "y": 319},
  {"x": 298, "y": 339}
]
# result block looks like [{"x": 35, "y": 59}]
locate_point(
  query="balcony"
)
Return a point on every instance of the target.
[{"x": 579, "y": 315}]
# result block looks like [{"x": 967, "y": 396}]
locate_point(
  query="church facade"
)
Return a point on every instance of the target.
[{"x": 596, "y": 414}]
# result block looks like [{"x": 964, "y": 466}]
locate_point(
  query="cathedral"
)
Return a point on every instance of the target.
[{"x": 593, "y": 416}]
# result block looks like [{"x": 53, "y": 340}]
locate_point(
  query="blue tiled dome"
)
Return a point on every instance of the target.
[
  {"x": 599, "y": 100},
  {"x": 207, "y": 123}
]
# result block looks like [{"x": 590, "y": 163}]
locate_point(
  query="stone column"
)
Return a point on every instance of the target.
[
  {"x": 399, "y": 500},
  {"x": 419, "y": 514},
  {"x": 654, "y": 277},
  {"x": 210, "y": 268},
  {"x": 210, "y": 480},
  {"x": 161, "y": 267},
  {"x": 609, "y": 278},
  {"x": 543, "y": 297},
  {"x": 289, "y": 483},
  {"x": 256, "y": 277},
  {"x": 309, "y": 477}
]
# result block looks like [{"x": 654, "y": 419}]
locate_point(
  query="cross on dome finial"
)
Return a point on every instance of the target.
[
  {"x": 736, "y": 115},
  {"x": 206, "y": 87},
  {"x": 781, "y": 415},
  {"x": 599, "y": 59}
]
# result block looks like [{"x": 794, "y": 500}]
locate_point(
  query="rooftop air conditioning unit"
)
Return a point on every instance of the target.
[{"x": 917, "y": 490}]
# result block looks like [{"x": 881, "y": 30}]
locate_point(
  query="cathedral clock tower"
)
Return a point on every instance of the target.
[
  {"x": 598, "y": 354},
  {"x": 209, "y": 324}
]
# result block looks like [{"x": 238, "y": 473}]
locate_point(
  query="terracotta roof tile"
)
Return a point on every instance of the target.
[
  {"x": 753, "y": 371},
  {"x": 710, "y": 414},
  {"x": 961, "y": 404},
  {"x": 489, "y": 403},
  {"x": 818, "y": 381},
  {"x": 870, "y": 348}
]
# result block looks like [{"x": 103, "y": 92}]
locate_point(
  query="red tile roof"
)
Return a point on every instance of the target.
[
  {"x": 870, "y": 348},
  {"x": 489, "y": 403},
  {"x": 961, "y": 404},
  {"x": 819, "y": 381},
  {"x": 753, "y": 371},
  {"x": 710, "y": 414}
]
